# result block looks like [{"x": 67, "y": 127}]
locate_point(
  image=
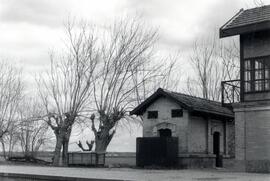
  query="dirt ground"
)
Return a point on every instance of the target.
[{"x": 137, "y": 174}]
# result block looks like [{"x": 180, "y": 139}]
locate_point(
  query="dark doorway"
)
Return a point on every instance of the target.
[
  {"x": 216, "y": 149},
  {"x": 165, "y": 133}
]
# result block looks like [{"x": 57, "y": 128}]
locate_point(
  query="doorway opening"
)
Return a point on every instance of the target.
[
  {"x": 216, "y": 149},
  {"x": 165, "y": 133}
]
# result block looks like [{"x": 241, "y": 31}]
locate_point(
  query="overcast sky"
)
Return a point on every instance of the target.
[{"x": 29, "y": 29}]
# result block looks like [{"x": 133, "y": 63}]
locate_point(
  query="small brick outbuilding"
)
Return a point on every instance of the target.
[{"x": 204, "y": 128}]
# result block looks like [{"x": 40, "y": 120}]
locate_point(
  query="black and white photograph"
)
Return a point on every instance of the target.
[{"x": 135, "y": 90}]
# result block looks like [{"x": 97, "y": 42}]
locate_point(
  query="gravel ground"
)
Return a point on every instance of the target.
[{"x": 137, "y": 174}]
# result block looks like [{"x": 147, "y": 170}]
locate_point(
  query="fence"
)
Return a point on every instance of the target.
[{"x": 86, "y": 159}]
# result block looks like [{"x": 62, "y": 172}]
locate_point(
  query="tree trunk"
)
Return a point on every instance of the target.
[
  {"x": 101, "y": 145},
  {"x": 65, "y": 153},
  {"x": 102, "y": 140},
  {"x": 57, "y": 151},
  {"x": 65, "y": 147},
  {"x": 4, "y": 149}
]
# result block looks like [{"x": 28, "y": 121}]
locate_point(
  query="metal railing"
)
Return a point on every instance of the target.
[{"x": 230, "y": 92}]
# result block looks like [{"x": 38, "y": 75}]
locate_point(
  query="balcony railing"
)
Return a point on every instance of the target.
[{"x": 230, "y": 92}]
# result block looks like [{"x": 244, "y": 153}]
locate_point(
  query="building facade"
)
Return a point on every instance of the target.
[
  {"x": 252, "y": 113},
  {"x": 238, "y": 128},
  {"x": 204, "y": 128}
]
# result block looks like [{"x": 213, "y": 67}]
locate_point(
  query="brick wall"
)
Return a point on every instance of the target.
[
  {"x": 252, "y": 132},
  {"x": 218, "y": 126},
  {"x": 255, "y": 45},
  {"x": 197, "y": 135},
  {"x": 231, "y": 138},
  {"x": 164, "y": 107}
]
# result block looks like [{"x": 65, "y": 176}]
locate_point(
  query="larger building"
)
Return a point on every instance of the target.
[
  {"x": 238, "y": 128},
  {"x": 252, "y": 113}
]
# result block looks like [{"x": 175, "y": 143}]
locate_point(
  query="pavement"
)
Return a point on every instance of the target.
[{"x": 136, "y": 174}]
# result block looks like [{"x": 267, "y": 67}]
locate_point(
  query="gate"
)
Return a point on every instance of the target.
[{"x": 157, "y": 151}]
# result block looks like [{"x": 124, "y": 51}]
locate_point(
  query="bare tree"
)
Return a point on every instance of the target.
[
  {"x": 10, "y": 140},
  {"x": 90, "y": 145},
  {"x": 11, "y": 92},
  {"x": 212, "y": 62},
  {"x": 65, "y": 89},
  {"x": 166, "y": 73},
  {"x": 126, "y": 68},
  {"x": 32, "y": 132},
  {"x": 258, "y": 3}
]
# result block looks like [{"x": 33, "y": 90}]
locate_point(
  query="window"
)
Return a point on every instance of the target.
[
  {"x": 257, "y": 74},
  {"x": 152, "y": 114},
  {"x": 177, "y": 113}
]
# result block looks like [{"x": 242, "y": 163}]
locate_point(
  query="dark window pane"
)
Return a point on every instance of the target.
[
  {"x": 267, "y": 73},
  {"x": 258, "y": 74},
  {"x": 177, "y": 113},
  {"x": 267, "y": 85},
  {"x": 259, "y": 64},
  {"x": 247, "y": 86},
  {"x": 247, "y": 75},
  {"x": 152, "y": 114},
  {"x": 247, "y": 65},
  {"x": 259, "y": 85},
  {"x": 267, "y": 63}
]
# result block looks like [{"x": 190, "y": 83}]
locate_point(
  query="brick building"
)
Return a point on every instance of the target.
[
  {"x": 237, "y": 128},
  {"x": 252, "y": 113},
  {"x": 204, "y": 128}
]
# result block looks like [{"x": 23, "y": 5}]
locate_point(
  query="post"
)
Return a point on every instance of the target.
[{"x": 222, "y": 93}]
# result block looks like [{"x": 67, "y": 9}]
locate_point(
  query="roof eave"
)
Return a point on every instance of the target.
[
  {"x": 230, "y": 116},
  {"x": 255, "y": 27},
  {"x": 140, "y": 109},
  {"x": 232, "y": 19}
]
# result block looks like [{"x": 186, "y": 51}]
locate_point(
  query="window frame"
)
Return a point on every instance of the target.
[
  {"x": 151, "y": 112},
  {"x": 253, "y": 72},
  {"x": 174, "y": 116}
]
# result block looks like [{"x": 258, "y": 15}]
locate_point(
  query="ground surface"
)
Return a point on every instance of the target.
[{"x": 137, "y": 174}]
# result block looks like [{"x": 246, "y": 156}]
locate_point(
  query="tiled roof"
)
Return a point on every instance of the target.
[
  {"x": 186, "y": 101},
  {"x": 250, "y": 16},
  {"x": 248, "y": 19},
  {"x": 200, "y": 104}
]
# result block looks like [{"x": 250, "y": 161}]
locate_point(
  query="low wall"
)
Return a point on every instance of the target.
[
  {"x": 253, "y": 166},
  {"x": 196, "y": 161},
  {"x": 184, "y": 161},
  {"x": 119, "y": 159}
]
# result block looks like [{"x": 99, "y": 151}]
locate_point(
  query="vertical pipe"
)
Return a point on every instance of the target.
[
  {"x": 222, "y": 93},
  {"x": 241, "y": 69}
]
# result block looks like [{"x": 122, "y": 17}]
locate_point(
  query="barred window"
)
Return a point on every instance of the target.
[{"x": 257, "y": 74}]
